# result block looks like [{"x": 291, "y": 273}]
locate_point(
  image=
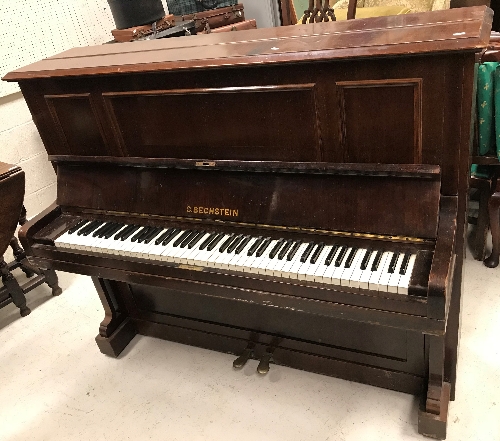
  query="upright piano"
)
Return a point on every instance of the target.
[{"x": 295, "y": 195}]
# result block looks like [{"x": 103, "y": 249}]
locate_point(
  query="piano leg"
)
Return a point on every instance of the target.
[
  {"x": 433, "y": 415},
  {"x": 117, "y": 329}
]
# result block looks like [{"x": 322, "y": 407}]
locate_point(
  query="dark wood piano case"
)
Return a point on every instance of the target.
[{"x": 355, "y": 131}]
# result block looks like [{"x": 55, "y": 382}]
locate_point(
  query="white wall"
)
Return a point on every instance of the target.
[
  {"x": 20, "y": 144},
  {"x": 19, "y": 140}
]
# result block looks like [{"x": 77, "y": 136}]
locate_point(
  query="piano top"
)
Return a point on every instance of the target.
[{"x": 461, "y": 29}]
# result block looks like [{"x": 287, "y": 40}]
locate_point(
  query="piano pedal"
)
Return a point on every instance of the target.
[
  {"x": 263, "y": 367},
  {"x": 244, "y": 357}
]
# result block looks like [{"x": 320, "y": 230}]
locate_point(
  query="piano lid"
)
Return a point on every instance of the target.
[{"x": 437, "y": 31}]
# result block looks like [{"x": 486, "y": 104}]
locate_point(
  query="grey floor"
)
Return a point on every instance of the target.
[{"x": 56, "y": 385}]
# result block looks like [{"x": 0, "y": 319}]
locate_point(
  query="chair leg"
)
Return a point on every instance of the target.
[
  {"x": 20, "y": 255},
  {"x": 13, "y": 288},
  {"x": 494, "y": 209},
  {"x": 477, "y": 237}
]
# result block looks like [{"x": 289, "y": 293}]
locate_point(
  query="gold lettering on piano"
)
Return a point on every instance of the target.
[{"x": 217, "y": 211}]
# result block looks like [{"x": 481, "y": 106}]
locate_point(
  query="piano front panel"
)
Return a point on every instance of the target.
[
  {"x": 354, "y": 341},
  {"x": 77, "y": 124},
  {"x": 380, "y": 111},
  {"x": 403, "y": 205},
  {"x": 219, "y": 123},
  {"x": 389, "y": 111}
]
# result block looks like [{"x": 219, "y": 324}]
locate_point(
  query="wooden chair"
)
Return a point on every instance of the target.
[{"x": 12, "y": 212}]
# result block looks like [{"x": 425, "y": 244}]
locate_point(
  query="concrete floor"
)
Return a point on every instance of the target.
[{"x": 56, "y": 385}]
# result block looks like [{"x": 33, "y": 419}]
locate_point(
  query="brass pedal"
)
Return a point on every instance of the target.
[
  {"x": 244, "y": 357},
  {"x": 263, "y": 367}
]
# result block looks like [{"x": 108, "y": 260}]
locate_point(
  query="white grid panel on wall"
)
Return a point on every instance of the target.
[{"x": 34, "y": 29}]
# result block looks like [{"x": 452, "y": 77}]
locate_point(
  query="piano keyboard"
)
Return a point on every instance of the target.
[{"x": 293, "y": 259}]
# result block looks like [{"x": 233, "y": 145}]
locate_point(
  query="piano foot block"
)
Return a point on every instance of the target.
[
  {"x": 434, "y": 425},
  {"x": 118, "y": 340},
  {"x": 56, "y": 291}
]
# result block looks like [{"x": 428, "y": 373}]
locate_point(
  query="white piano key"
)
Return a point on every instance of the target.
[
  {"x": 290, "y": 269},
  {"x": 326, "y": 276},
  {"x": 367, "y": 273},
  {"x": 404, "y": 281},
  {"x": 392, "y": 285},
  {"x": 308, "y": 271},
  {"x": 375, "y": 275},
  {"x": 264, "y": 262},
  {"x": 345, "y": 278},
  {"x": 236, "y": 263},
  {"x": 357, "y": 271},
  {"x": 381, "y": 284}
]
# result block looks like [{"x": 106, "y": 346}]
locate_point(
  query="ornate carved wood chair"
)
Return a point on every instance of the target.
[
  {"x": 486, "y": 154},
  {"x": 12, "y": 212}
]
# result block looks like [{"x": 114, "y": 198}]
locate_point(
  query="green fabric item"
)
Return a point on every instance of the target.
[
  {"x": 481, "y": 171},
  {"x": 186, "y": 7},
  {"x": 496, "y": 94},
  {"x": 485, "y": 107},
  {"x": 300, "y": 6}
]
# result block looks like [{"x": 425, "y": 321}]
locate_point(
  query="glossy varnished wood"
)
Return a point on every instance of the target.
[{"x": 325, "y": 132}]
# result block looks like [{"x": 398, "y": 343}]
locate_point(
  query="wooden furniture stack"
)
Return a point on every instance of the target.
[
  {"x": 11, "y": 213},
  {"x": 327, "y": 136}
]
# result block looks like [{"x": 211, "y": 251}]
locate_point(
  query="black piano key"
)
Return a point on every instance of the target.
[
  {"x": 110, "y": 227},
  {"x": 171, "y": 236},
  {"x": 376, "y": 261},
  {"x": 276, "y": 248},
  {"x": 341, "y": 255},
  {"x": 145, "y": 235},
  {"x": 404, "y": 264},
  {"x": 113, "y": 230},
  {"x": 207, "y": 241},
  {"x": 242, "y": 244},
  {"x": 102, "y": 229},
  {"x": 79, "y": 225},
  {"x": 215, "y": 241},
  {"x": 285, "y": 248},
  {"x": 307, "y": 252},
  {"x": 226, "y": 243},
  {"x": 366, "y": 258},
  {"x": 392, "y": 265},
  {"x": 181, "y": 238},
  {"x": 232, "y": 246},
  {"x": 152, "y": 234},
  {"x": 122, "y": 232},
  {"x": 263, "y": 247},
  {"x": 139, "y": 234},
  {"x": 164, "y": 235},
  {"x": 189, "y": 238},
  {"x": 293, "y": 250},
  {"x": 255, "y": 245},
  {"x": 331, "y": 255},
  {"x": 317, "y": 252},
  {"x": 196, "y": 239},
  {"x": 88, "y": 228},
  {"x": 350, "y": 257},
  {"x": 95, "y": 226},
  {"x": 130, "y": 232}
]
